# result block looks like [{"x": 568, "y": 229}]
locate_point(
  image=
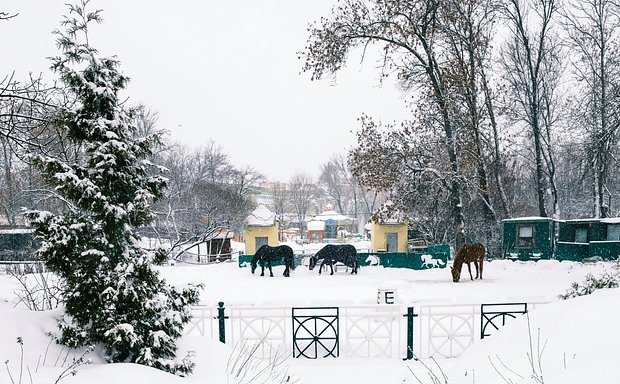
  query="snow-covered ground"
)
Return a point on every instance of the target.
[{"x": 573, "y": 341}]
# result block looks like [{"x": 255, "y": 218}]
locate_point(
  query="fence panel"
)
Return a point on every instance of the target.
[{"x": 381, "y": 330}]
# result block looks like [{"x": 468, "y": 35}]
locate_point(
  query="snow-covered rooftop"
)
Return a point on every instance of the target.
[
  {"x": 528, "y": 218},
  {"x": 611, "y": 220},
  {"x": 330, "y": 214},
  {"x": 261, "y": 216},
  {"x": 13, "y": 231},
  {"x": 316, "y": 225}
]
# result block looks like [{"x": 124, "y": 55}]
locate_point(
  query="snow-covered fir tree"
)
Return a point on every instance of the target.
[{"x": 113, "y": 296}]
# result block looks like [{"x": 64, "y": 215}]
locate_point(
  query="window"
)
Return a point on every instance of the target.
[
  {"x": 261, "y": 241},
  {"x": 525, "y": 236},
  {"x": 613, "y": 232},
  {"x": 581, "y": 235},
  {"x": 392, "y": 242}
]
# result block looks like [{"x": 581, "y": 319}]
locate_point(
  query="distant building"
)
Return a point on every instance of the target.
[
  {"x": 330, "y": 225},
  {"x": 17, "y": 243},
  {"x": 389, "y": 234}
]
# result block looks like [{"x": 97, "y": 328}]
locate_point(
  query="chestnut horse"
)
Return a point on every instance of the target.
[{"x": 468, "y": 253}]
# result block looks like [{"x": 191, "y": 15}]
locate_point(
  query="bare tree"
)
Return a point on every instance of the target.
[
  {"x": 301, "y": 191},
  {"x": 408, "y": 31},
  {"x": 593, "y": 28},
  {"x": 280, "y": 195},
  {"x": 530, "y": 66},
  {"x": 334, "y": 177}
]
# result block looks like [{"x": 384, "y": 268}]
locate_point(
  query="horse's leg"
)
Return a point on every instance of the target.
[
  {"x": 262, "y": 267},
  {"x": 331, "y": 265},
  {"x": 469, "y": 269},
  {"x": 480, "y": 262},
  {"x": 286, "y": 269},
  {"x": 270, "y": 271},
  {"x": 477, "y": 271}
]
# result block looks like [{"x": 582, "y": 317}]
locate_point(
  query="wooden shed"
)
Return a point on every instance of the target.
[
  {"x": 528, "y": 238},
  {"x": 218, "y": 245},
  {"x": 260, "y": 228}
]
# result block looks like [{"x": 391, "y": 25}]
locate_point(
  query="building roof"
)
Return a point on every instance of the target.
[
  {"x": 611, "y": 220},
  {"x": 332, "y": 216},
  {"x": 8, "y": 230},
  {"x": 261, "y": 217},
  {"x": 316, "y": 225},
  {"x": 220, "y": 233}
]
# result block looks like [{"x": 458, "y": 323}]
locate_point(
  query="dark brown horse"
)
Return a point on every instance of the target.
[{"x": 468, "y": 253}]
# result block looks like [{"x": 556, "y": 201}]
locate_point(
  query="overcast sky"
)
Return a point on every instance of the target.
[{"x": 222, "y": 70}]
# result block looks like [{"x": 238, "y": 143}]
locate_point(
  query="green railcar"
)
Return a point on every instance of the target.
[
  {"x": 528, "y": 238},
  {"x": 536, "y": 238}
]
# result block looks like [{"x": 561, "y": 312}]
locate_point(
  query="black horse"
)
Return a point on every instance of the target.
[
  {"x": 331, "y": 254},
  {"x": 266, "y": 254}
]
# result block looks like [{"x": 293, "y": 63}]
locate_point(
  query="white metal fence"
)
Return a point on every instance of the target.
[{"x": 363, "y": 331}]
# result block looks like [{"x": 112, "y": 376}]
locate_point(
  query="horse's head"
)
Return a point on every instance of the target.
[
  {"x": 312, "y": 262},
  {"x": 456, "y": 274},
  {"x": 253, "y": 263}
]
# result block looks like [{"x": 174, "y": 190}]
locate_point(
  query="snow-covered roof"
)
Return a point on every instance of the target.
[
  {"x": 261, "y": 216},
  {"x": 316, "y": 225},
  {"x": 220, "y": 233},
  {"x": 330, "y": 214},
  {"x": 14, "y": 231},
  {"x": 611, "y": 220},
  {"x": 528, "y": 218}
]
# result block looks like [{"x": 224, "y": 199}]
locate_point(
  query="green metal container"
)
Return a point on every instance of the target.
[{"x": 528, "y": 238}]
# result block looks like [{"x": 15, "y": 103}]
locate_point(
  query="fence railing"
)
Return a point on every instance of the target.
[
  {"x": 381, "y": 330},
  {"x": 21, "y": 266}
]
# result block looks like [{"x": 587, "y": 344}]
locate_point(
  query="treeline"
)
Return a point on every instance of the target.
[
  {"x": 513, "y": 108},
  {"x": 514, "y": 112}
]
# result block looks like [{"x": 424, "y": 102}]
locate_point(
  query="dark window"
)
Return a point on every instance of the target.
[
  {"x": 613, "y": 232},
  {"x": 525, "y": 236},
  {"x": 581, "y": 235}
]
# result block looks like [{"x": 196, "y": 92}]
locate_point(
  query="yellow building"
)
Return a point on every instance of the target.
[
  {"x": 389, "y": 234},
  {"x": 260, "y": 228}
]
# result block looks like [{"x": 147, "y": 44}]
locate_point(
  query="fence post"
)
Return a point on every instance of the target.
[
  {"x": 410, "y": 315},
  {"x": 221, "y": 317}
]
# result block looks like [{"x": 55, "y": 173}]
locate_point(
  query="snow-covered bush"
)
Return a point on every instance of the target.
[
  {"x": 113, "y": 296},
  {"x": 605, "y": 280}
]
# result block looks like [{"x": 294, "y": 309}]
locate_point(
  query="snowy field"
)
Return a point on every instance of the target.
[{"x": 573, "y": 341}]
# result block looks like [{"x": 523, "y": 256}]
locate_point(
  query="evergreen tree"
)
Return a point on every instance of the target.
[{"x": 113, "y": 297}]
